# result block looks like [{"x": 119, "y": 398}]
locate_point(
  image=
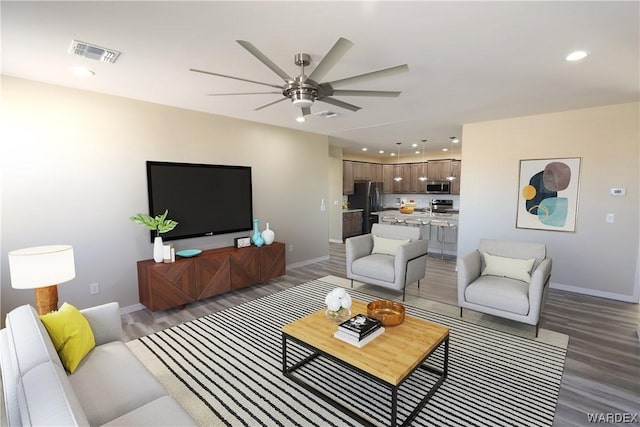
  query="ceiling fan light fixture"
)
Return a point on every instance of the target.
[{"x": 302, "y": 99}]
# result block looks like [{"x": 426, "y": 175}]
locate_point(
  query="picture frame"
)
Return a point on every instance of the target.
[{"x": 548, "y": 194}]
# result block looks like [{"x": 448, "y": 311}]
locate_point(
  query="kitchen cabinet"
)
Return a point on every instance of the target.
[
  {"x": 455, "y": 169},
  {"x": 438, "y": 169},
  {"x": 418, "y": 170},
  {"x": 347, "y": 177},
  {"x": 388, "y": 172},
  {"x": 351, "y": 224},
  {"x": 162, "y": 286}
]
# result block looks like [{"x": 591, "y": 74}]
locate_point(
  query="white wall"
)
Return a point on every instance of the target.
[
  {"x": 599, "y": 258},
  {"x": 334, "y": 206},
  {"x": 73, "y": 165}
]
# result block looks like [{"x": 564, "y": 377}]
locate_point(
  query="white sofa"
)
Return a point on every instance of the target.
[{"x": 109, "y": 387}]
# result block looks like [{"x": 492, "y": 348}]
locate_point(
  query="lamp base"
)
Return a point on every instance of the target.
[{"x": 47, "y": 299}]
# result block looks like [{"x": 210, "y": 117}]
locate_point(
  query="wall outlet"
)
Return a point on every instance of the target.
[
  {"x": 290, "y": 248},
  {"x": 611, "y": 217},
  {"x": 94, "y": 289}
]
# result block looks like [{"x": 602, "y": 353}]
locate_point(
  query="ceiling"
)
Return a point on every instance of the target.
[{"x": 468, "y": 61}]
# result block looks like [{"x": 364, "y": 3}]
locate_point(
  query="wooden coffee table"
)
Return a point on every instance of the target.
[{"x": 389, "y": 359}]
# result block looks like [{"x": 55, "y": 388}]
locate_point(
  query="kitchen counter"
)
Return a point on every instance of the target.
[
  {"x": 352, "y": 210},
  {"x": 418, "y": 215}
]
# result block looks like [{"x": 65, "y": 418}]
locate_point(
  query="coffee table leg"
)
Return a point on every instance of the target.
[
  {"x": 284, "y": 353},
  {"x": 394, "y": 406},
  {"x": 445, "y": 368}
]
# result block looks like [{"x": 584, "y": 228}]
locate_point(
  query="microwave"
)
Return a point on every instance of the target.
[{"x": 438, "y": 187}]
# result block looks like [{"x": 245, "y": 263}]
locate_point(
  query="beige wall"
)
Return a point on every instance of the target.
[
  {"x": 73, "y": 171},
  {"x": 600, "y": 258},
  {"x": 335, "y": 193}
]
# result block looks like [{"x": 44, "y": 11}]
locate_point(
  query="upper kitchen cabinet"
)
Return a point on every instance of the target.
[
  {"x": 347, "y": 177},
  {"x": 455, "y": 171},
  {"x": 359, "y": 171},
  {"x": 438, "y": 169},
  {"x": 388, "y": 172},
  {"x": 418, "y": 170}
]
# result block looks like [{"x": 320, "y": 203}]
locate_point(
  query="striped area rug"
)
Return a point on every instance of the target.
[{"x": 226, "y": 369}]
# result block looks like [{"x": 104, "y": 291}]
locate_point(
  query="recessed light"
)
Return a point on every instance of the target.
[
  {"x": 392, "y": 154},
  {"x": 82, "y": 71},
  {"x": 577, "y": 55},
  {"x": 381, "y": 152},
  {"x": 364, "y": 148},
  {"x": 301, "y": 119},
  {"x": 414, "y": 145},
  {"x": 417, "y": 151},
  {"x": 455, "y": 140},
  {"x": 445, "y": 149}
]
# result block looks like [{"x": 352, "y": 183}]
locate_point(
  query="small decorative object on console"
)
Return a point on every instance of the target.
[
  {"x": 268, "y": 235},
  {"x": 256, "y": 237},
  {"x": 338, "y": 303},
  {"x": 159, "y": 224},
  {"x": 389, "y": 313},
  {"x": 242, "y": 242},
  {"x": 188, "y": 253}
]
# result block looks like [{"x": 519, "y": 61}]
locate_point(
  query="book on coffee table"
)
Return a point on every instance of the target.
[
  {"x": 359, "y": 342},
  {"x": 359, "y": 326}
]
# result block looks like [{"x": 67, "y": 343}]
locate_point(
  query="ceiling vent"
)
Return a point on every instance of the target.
[
  {"x": 93, "y": 51},
  {"x": 326, "y": 114}
]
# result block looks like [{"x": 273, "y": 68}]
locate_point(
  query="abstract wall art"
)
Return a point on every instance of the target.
[{"x": 548, "y": 194}]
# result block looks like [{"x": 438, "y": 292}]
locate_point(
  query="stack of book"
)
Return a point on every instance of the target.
[{"x": 359, "y": 330}]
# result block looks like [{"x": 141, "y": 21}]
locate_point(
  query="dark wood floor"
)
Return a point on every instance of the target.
[{"x": 602, "y": 370}]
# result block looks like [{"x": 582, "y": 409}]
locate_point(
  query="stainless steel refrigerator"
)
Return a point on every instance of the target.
[{"x": 367, "y": 195}]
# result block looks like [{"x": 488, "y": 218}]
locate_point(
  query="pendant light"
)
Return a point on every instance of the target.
[
  {"x": 423, "y": 177},
  {"x": 451, "y": 177},
  {"x": 398, "y": 177}
]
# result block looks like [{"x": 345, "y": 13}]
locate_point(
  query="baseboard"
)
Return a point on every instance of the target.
[
  {"x": 131, "y": 308},
  {"x": 593, "y": 292},
  {"x": 336, "y": 241},
  {"x": 309, "y": 261}
]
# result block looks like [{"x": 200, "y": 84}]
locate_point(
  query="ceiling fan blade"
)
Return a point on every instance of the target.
[
  {"x": 244, "y": 93},
  {"x": 332, "y": 57},
  {"x": 235, "y": 78},
  {"x": 270, "y": 104},
  {"x": 384, "y": 93},
  {"x": 339, "y": 103},
  {"x": 266, "y": 61},
  {"x": 370, "y": 76},
  {"x": 306, "y": 111}
]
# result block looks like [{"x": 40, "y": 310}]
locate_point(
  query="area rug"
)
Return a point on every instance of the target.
[{"x": 225, "y": 369}]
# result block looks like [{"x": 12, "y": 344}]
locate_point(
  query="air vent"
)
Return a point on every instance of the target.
[
  {"x": 92, "y": 51},
  {"x": 326, "y": 114}
]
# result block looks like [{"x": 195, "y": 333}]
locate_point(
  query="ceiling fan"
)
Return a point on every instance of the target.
[{"x": 304, "y": 90}]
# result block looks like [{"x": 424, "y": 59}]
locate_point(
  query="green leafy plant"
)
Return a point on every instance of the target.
[{"x": 159, "y": 223}]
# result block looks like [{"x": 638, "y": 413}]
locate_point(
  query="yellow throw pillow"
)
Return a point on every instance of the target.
[
  {"x": 513, "y": 268},
  {"x": 382, "y": 245},
  {"x": 71, "y": 335}
]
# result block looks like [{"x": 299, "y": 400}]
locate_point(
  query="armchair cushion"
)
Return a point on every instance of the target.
[
  {"x": 514, "y": 268},
  {"x": 386, "y": 246},
  {"x": 375, "y": 266},
  {"x": 500, "y": 293}
]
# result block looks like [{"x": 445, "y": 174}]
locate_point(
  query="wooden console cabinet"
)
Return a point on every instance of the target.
[{"x": 214, "y": 271}]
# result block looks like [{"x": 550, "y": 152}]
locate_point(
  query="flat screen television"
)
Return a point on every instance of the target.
[{"x": 203, "y": 199}]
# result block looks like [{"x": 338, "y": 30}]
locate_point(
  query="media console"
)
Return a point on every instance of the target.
[{"x": 213, "y": 272}]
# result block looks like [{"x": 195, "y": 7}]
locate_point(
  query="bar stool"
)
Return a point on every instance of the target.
[
  {"x": 442, "y": 227},
  {"x": 389, "y": 219}
]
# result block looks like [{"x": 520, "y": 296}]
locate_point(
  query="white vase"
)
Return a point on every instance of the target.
[
  {"x": 268, "y": 235},
  {"x": 157, "y": 249}
]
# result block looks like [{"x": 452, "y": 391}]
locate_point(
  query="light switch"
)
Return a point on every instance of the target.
[
  {"x": 611, "y": 217},
  {"x": 620, "y": 191}
]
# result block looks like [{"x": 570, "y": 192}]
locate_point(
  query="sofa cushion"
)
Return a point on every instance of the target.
[
  {"x": 376, "y": 266},
  {"x": 111, "y": 382},
  {"x": 46, "y": 398},
  {"x": 70, "y": 333},
  {"x": 513, "y": 268},
  {"x": 163, "y": 411},
  {"x": 386, "y": 246},
  {"x": 500, "y": 293}
]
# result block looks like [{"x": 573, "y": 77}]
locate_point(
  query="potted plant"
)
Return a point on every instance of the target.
[{"x": 159, "y": 224}]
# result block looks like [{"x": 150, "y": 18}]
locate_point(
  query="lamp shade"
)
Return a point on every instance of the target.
[{"x": 41, "y": 266}]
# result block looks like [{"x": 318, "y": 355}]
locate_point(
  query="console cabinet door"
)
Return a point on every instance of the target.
[
  {"x": 245, "y": 267},
  {"x": 162, "y": 286},
  {"x": 212, "y": 275},
  {"x": 272, "y": 261}
]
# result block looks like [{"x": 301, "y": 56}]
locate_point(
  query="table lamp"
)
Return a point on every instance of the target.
[{"x": 42, "y": 268}]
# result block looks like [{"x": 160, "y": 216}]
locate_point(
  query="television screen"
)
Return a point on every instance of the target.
[{"x": 203, "y": 199}]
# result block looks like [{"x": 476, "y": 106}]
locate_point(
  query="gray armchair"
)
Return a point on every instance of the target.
[
  {"x": 500, "y": 284},
  {"x": 392, "y": 256}
]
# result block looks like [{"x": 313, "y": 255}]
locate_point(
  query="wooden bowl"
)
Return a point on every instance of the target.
[
  {"x": 406, "y": 209},
  {"x": 388, "y": 312}
]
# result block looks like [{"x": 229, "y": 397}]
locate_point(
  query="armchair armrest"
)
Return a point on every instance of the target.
[
  {"x": 539, "y": 280},
  {"x": 409, "y": 262},
  {"x": 468, "y": 271},
  {"x": 357, "y": 247},
  {"x": 105, "y": 322}
]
